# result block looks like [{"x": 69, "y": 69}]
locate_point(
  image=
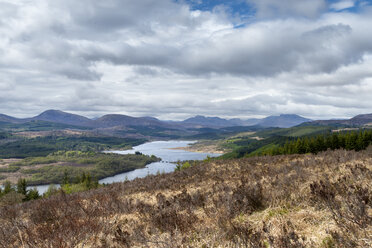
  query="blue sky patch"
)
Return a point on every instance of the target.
[{"x": 242, "y": 9}]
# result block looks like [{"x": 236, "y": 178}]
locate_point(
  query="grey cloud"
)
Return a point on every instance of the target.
[
  {"x": 159, "y": 58},
  {"x": 322, "y": 49}
]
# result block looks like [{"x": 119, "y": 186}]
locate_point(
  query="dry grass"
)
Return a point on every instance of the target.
[{"x": 319, "y": 200}]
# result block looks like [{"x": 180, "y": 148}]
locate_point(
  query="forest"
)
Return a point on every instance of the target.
[
  {"x": 351, "y": 140},
  {"x": 298, "y": 140}
]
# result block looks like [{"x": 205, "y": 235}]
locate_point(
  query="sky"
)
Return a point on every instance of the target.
[{"x": 173, "y": 59}]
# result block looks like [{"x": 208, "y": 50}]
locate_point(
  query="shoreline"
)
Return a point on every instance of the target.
[{"x": 199, "y": 149}]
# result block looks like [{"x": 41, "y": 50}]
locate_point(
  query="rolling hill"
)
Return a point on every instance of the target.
[
  {"x": 117, "y": 120},
  {"x": 64, "y": 118},
  {"x": 124, "y": 120},
  {"x": 357, "y": 121},
  {"x": 9, "y": 119},
  {"x": 283, "y": 121}
]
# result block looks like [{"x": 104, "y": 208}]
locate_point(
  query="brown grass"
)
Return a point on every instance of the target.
[{"x": 322, "y": 200}]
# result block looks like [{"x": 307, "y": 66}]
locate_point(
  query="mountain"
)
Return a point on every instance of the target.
[
  {"x": 64, "y": 118},
  {"x": 7, "y": 118},
  {"x": 361, "y": 120},
  {"x": 124, "y": 120},
  {"x": 219, "y": 122},
  {"x": 246, "y": 122},
  {"x": 357, "y": 121},
  {"x": 106, "y": 121},
  {"x": 210, "y": 121},
  {"x": 283, "y": 121}
]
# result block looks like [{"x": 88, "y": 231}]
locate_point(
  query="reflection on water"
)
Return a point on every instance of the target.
[{"x": 161, "y": 149}]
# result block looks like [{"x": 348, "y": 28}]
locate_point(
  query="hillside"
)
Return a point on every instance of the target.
[
  {"x": 106, "y": 121},
  {"x": 322, "y": 200},
  {"x": 10, "y": 119},
  {"x": 283, "y": 121},
  {"x": 211, "y": 121},
  {"x": 124, "y": 120},
  {"x": 64, "y": 118},
  {"x": 357, "y": 121}
]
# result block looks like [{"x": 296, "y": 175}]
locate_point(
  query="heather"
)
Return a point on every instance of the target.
[{"x": 321, "y": 200}]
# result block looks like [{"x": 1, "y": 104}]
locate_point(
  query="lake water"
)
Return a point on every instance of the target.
[{"x": 162, "y": 149}]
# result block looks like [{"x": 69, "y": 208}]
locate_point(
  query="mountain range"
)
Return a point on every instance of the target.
[
  {"x": 283, "y": 121},
  {"x": 115, "y": 120},
  {"x": 105, "y": 121}
]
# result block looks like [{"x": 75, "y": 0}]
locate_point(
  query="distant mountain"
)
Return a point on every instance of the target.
[
  {"x": 107, "y": 121},
  {"x": 210, "y": 121},
  {"x": 64, "y": 118},
  {"x": 357, "y": 121},
  {"x": 283, "y": 121},
  {"x": 115, "y": 120},
  {"x": 124, "y": 120},
  {"x": 7, "y": 118},
  {"x": 362, "y": 120}
]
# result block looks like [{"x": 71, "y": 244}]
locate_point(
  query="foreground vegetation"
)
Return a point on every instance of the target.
[
  {"x": 10, "y": 195},
  {"x": 56, "y": 166},
  {"x": 15, "y": 194},
  {"x": 322, "y": 200}
]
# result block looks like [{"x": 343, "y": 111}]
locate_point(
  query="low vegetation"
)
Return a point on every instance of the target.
[
  {"x": 15, "y": 194},
  {"x": 285, "y": 201},
  {"x": 10, "y": 195}
]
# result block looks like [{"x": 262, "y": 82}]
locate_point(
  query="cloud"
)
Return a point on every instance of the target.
[
  {"x": 288, "y": 8},
  {"x": 341, "y": 5},
  {"x": 161, "y": 58}
]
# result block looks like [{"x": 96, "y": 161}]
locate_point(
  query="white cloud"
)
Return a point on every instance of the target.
[
  {"x": 159, "y": 58},
  {"x": 341, "y": 5}
]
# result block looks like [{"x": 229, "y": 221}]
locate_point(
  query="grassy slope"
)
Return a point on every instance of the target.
[
  {"x": 243, "y": 145},
  {"x": 319, "y": 200}
]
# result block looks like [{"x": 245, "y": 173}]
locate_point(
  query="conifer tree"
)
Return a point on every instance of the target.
[{"x": 22, "y": 186}]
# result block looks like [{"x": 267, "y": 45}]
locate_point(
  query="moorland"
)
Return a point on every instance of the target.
[
  {"x": 321, "y": 200},
  {"x": 286, "y": 181}
]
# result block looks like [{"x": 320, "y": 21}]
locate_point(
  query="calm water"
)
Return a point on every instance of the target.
[{"x": 161, "y": 149}]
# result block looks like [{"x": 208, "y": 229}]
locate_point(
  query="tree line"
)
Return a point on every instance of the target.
[
  {"x": 352, "y": 140},
  {"x": 19, "y": 193},
  {"x": 13, "y": 194}
]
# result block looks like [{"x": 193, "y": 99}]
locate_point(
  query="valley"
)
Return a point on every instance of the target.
[
  {"x": 186, "y": 124},
  {"x": 160, "y": 189},
  {"x": 275, "y": 201}
]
